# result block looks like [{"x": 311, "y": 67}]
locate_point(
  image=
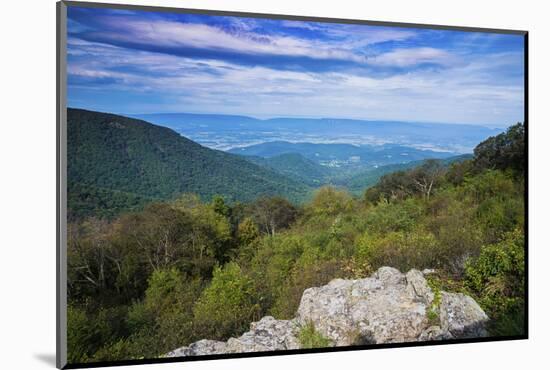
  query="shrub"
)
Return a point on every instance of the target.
[
  {"x": 163, "y": 320},
  {"x": 227, "y": 306},
  {"x": 503, "y": 151},
  {"x": 458, "y": 236},
  {"x": 308, "y": 271},
  {"x": 88, "y": 331},
  {"x": 489, "y": 184},
  {"x": 311, "y": 338},
  {"x": 497, "y": 216},
  {"x": 497, "y": 278},
  {"x": 401, "y": 250},
  {"x": 329, "y": 201},
  {"x": 398, "y": 216}
]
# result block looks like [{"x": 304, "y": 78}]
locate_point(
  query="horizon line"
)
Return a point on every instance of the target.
[{"x": 267, "y": 118}]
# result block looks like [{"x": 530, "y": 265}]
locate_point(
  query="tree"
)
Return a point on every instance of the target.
[
  {"x": 162, "y": 321},
  {"x": 273, "y": 213},
  {"x": 402, "y": 184},
  {"x": 227, "y": 306},
  {"x": 210, "y": 228},
  {"x": 161, "y": 234},
  {"x": 88, "y": 256},
  {"x": 329, "y": 201},
  {"x": 506, "y": 150},
  {"x": 425, "y": 177},
  {"x": 219, "y": 206},
  {"x": 458, "y": 171},
  {"x": 247, "y": 231}
]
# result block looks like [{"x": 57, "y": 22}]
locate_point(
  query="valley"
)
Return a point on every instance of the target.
[{"x": 229, "y": 132}]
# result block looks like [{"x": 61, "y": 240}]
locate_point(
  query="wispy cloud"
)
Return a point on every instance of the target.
[
  {"x": 328, "y": 42},
  {"x": 138, "y": 62},
  {"x": 413, "y": 56}
]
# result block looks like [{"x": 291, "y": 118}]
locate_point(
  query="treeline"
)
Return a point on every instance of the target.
[{"x": 151, "y": 281}]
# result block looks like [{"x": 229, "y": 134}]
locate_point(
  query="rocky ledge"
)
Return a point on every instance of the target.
[{"x": 387, "y": 307}]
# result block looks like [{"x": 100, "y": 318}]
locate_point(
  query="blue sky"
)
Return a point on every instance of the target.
[{"x": 150, "y": 62}]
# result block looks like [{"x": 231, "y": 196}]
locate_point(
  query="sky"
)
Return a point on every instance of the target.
[{"x": 134, "y": 62}]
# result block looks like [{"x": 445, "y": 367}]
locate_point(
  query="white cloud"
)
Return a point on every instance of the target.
[
  {"x": 355, "y": 35},
  {"x": 413, "y": 56},
  {"x": 176, "y": 34},
  {"x": 452, "y": 95},
  {"x": 346, "y": 40}
]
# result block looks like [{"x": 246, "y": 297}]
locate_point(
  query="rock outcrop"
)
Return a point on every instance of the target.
[{"x": 388, "y": 307}]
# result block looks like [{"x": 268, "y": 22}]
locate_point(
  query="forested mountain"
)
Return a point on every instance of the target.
[
  {"x": 297, "y": 167},
  {"x": 343, "y": 157},
  {"x": 118, "y": 163},
  {"x": 358, "y": 182},
  {"x": 307, "y": 171}
]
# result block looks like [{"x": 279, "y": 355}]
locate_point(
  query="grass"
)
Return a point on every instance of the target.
[
  {"x": 311, "y": 338},
  {"x": 433, "y": 313}
]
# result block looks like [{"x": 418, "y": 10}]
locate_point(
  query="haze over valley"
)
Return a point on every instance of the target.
[
  {"x": 226, "y": 132},
  {"x": 336, "y": 148}
]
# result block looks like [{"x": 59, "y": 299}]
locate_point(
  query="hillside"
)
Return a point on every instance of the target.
[
  {"x": 343, "y": 157},
  {"x": 139, "y": 161},
  {"x": 296, "y": 167},
  {"x": 357, "y": 183}
]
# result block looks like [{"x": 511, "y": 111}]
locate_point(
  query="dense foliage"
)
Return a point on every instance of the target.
[
  {"x": 153, "y": 280},
  {"x": 296, "y": 166},
  {"x": 134, "y": 161}
]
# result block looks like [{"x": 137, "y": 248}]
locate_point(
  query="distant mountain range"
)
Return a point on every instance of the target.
[
  {"x": 117, "y": 163},
  {"x": 343, "y": 157},
  {"x": 228, "y": 131}
]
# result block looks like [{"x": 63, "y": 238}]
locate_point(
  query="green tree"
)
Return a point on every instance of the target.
[
  {"x": 227, "y": 306},
  {"x": 394, "y": 186},
  {"x": 219, "y": 206},
  {"x": 247, "y": 232},
  {"x": 427, "y": 176},
  {"x": 273, "y": 214},
  {"x": 497, "y": 277},
  {"x": 329, "y": 201},
  {"x": 506, "y": 150}
]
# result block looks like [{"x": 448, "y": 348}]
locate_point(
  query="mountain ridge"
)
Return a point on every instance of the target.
[
  {"x": 230, "y": 131},
  {"x": 288, "y": 118},
  {"x": 119, "y": 153}
]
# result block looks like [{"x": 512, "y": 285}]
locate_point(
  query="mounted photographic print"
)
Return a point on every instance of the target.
[{"x": 235, "y": 184}]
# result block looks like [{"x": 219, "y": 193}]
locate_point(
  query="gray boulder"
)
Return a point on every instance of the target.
[
  {"x": 268, "y": 334},
  {"x": 202, "y": 347},
  {"x": 461, "y": 316},
  {"x": 387, "y": 307}
]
